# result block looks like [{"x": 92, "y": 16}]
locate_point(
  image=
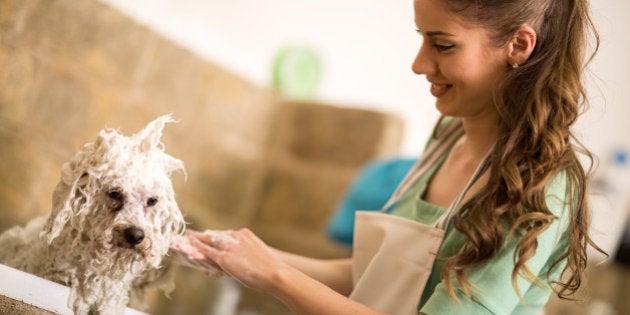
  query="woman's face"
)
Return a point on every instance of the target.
[{"x": 459, "y": 60}]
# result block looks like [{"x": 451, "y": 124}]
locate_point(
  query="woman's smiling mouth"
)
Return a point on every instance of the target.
[{"x": 438, "y": 90}]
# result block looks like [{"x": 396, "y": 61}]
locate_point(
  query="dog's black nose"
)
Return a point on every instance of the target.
[{"x": 134, "y": 235}]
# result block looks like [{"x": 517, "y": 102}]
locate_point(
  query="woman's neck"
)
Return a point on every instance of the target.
[{"x": 481, "y": 134}]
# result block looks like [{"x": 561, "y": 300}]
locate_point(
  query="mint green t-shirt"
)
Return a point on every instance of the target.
[{"x": 494, "y": 277}]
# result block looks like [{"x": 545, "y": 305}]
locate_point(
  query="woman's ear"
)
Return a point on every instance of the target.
[{"x": 521, "y": 45}]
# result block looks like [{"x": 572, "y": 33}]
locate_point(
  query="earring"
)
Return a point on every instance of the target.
[{"x": 515, "y": 65}]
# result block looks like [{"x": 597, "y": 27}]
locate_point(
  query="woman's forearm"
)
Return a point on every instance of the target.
[
  {"x": 305, "y": 296},
  {"x": 334, "y": 273}
]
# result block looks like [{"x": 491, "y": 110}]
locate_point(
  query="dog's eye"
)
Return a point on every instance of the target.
[
  {"x": 115, "y": 195},
  {"x": 151, "y": 201}
]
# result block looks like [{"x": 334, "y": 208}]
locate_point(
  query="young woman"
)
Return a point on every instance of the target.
[{"x": 494, "y": 212}]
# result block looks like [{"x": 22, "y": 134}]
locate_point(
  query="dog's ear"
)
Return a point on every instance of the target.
[
  {"x": 149, "y": 138},
  {"x": 149, "y": 142},
  {"x": 70, "y": 193},
  {"x": 66, "y": 197},
  {"x": 175, "y": 217}
]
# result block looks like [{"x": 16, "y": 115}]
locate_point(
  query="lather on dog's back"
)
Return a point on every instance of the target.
[{"x": 113, "y": 217}]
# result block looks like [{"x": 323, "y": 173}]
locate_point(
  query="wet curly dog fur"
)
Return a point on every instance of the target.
[{"x": 113, "y": 217}]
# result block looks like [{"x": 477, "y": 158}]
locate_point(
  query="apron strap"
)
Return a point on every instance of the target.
[
  {"x": 446, "y": 217},
  {"x": 443, "y": 141}
]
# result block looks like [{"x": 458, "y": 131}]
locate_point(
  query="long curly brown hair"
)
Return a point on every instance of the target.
[{"x": 537, "y": 104}]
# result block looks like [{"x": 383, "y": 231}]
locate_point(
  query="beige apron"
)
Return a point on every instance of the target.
[{"x": 393, "y": 256}]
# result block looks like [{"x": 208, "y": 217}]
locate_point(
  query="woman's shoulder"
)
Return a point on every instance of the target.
[
  {"x": 559, "y": 199},
  {"x": 557, "y": 190}
]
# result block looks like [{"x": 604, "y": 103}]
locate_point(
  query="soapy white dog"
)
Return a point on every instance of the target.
[{"x": 113, "y": 217}]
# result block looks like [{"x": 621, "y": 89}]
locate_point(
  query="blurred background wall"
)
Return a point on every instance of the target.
[{"x": 254, "y": 157}]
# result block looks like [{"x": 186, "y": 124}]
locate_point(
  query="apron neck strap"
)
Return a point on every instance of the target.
[
  {"x": 444, "y": 141},
  {"x": 446, "y": 217}
]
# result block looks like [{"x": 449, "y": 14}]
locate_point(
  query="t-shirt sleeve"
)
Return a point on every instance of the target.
[{"x": 494, "y": 278}]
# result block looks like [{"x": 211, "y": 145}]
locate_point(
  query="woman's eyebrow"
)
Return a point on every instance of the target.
[{"x": 434, "y": 33}]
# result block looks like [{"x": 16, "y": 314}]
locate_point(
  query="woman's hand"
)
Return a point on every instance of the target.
[
  {"x": 240, "y": 254},
  {"x": 187, "y": 255}
]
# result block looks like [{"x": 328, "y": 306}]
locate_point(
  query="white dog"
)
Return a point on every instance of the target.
[{"x": 113, "y": 217}]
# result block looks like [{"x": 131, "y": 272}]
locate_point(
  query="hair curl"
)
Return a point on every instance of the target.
[{"x": 537, "y": 103}]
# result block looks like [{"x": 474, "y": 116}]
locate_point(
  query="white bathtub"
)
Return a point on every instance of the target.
[{"x": 38, "y": 292}]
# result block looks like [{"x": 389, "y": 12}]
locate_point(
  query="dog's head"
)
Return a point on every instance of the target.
[{"x": 115, "y": 197}]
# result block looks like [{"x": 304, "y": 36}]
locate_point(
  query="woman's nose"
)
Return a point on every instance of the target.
[{"x": 422, "y": 64}]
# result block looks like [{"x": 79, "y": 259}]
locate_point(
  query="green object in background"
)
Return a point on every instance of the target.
[{"x": 296, "y": 72}]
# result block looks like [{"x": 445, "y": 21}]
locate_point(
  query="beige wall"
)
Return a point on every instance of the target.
[{"x": 70, "y": 68}]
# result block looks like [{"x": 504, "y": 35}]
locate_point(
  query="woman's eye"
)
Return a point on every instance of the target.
[
  {"x": 152, "y": 201},
  {"x": 443, "y": 48}
]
